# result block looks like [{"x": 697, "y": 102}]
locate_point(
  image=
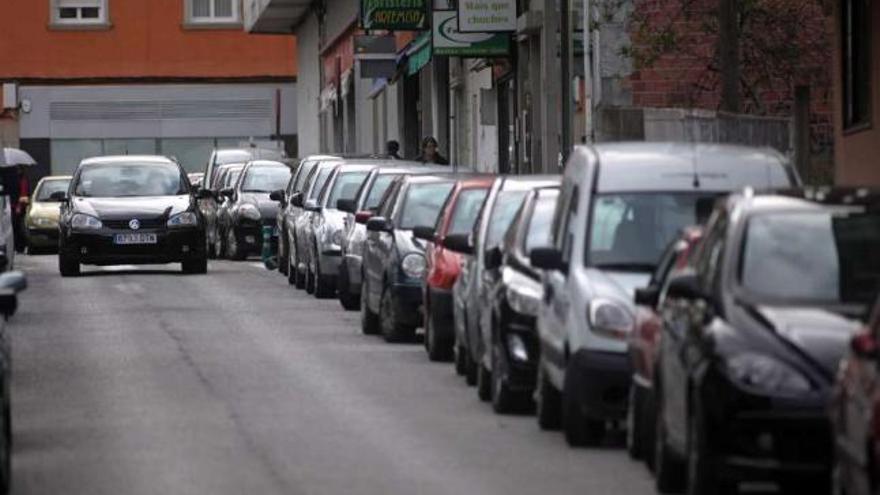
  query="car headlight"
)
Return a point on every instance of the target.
[
  {"x": 413, "y": 265},
  {"x": 337, "y": 238},
  {"x": 185, "y": 219},
  {"x": 43, "y": 222},
  {"x": 524, "y": 299},
  {"x": 250, "y": 212},
  {"x": 610, "y": 319},
  {"x": 85, "y": 222},
  {"x": 767, "y": 373}
]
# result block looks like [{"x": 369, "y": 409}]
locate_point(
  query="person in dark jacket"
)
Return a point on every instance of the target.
[
  {"x": 392, "y": 148},
  {"x": 431, "y": 152}
]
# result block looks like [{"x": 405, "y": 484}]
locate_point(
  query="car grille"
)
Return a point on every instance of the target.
[{"x": 151, "y": 223}]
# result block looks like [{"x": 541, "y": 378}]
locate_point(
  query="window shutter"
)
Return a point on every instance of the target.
[
  {"x": 222, "y": 8},
  {"x": 79, "y": 3},
  {"x": 201, "y": 8}
]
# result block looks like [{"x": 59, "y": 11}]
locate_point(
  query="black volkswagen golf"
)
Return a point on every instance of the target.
[{"x": 130, "y": 210}]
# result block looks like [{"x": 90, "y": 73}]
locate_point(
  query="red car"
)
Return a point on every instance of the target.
[
  {"x": 855, "y": 414},
  {"x": 644, "y": 344},
  {"x": 443, "y": 266}
]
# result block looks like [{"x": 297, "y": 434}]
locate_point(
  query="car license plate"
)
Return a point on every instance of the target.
[{"x": 134, "y": 239}]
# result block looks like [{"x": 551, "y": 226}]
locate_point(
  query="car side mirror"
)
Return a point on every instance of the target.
[
  {"x": 424, "y": 233},
  {"x": 379, "y": 224},
  {"x": 227, "y": 192},
  {"x": 460, "y": 243},
  {"x": 864, "y": 345},
  {"x": 311, "y": 205},
  {"x": 297, "y": 200},
  {"x": 493, "y": 258},
  {"x": 16, "y": 281},
  {"x": 60, "y": 196},
  {"x": 346, "y": 205},
  {"x": 647, "y": 296},
  {"x": 10, "y": 285},
  {"x": 685, "y": 286},
  {"x": 277, "y": 195},
  {"x": 362, "y": 216},
  {"x": 547, "y": 258}
]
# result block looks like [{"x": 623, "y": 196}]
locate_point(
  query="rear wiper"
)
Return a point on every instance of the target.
[{"x": 625, "y": 267}]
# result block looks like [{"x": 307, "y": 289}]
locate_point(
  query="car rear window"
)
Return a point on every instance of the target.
[
  {"x": 422, "y": 203},
  {"x": 345, "y": 186},
  {"x": 377, "y": 190},
  {"x": 466, "y": 210}
]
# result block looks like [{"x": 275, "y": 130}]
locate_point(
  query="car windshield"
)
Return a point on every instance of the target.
[
  {"x": 838, "y": 247},
  {"x": 265, "y": 179},
  {"x": 540, "y": 224},
  {"x": 320, "y": 180},
  {"x": 232, "y": 156},
  {"x": 422, "y": 204},
  {"x": 377, "y": 190},
  {"x": 115, "y": 180},
  {"x": 345, "y": 187},
  {"x": 630, "y": 231},
  {"x": 467, "y": 209},
  {"x": 503, "y": 211},
  {"x": 49, "y": 187}
]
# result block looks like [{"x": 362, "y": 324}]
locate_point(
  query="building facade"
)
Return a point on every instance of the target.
[{"x": 174, "y": 77}]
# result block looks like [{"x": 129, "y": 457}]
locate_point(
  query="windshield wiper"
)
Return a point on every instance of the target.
[{"x": 625, "y": 267}]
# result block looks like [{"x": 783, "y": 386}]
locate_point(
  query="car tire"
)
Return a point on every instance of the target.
[
  {"x": 668, "y": 471},
  {"x": 233, "y": 249},
  {"x": 349, "y": 301},
  {"x": 470, "y": 368},
  {"x": 580, "y": 430},
  {"x": 209, "y": 249},
  {"x": 548, "y": 402},
  {"x": 484, "y": 383},
  {"x": 68, "y": 265},
  {"x": 309, "y": 279},
  {"x": 369, "y": 320},
  {"x": 392, "y": 330},
  {"x": 283, "y": 256},
  {"x": 291, "y": 272},
  {"x": 219, "y": 245},
  {"x": 460, "y": 363},
  {"x": 323, "y": 288},
  {"x": 196, "y": 266},
  {"x": 702, "y": 475},
  {"x": 635, "y": 441},
  {"x": 504, "y": 400},
  {"x": 437, "y": 349}
]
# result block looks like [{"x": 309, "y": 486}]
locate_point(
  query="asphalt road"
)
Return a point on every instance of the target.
[{"x": 146, "y": 381}]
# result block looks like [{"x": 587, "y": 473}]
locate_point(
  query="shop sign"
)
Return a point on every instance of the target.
[
  {"x": 487, "y": 16},
  {"x": 397, "y": 15},
  {"x": 449, "y": 41}
]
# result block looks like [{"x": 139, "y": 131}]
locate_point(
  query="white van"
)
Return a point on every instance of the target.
[{"x": 619, "y": 207}]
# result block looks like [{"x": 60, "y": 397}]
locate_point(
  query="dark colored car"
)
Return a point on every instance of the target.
[
  {"x": 394, "y": 260},
  {"x": 513, "y": 290},
  {"x": 216, "y": 212},
  {"x": 357, "y": 212},
  {"x": 469, "y": 297},
  {"x": 250, "y": 208},
  {"x": 461, "y": 210},
  {"x": 10, "y": 284},
  {"x": 753, "y": 334},
  {"x": 644, "y": 345},
  {"x": 131, "y": 210}
]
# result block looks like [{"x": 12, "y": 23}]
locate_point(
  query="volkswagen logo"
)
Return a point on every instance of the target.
[{"x": 134, "y": 224}]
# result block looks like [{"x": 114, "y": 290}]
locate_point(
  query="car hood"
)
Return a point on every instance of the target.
[
  {"x": 148, "y": 206},
  {"x": 821, "y": 334},
  {"x": 45, "y": 210},
  {"x": 268, "y": 208},
  {"x": 618, "y": 285}
]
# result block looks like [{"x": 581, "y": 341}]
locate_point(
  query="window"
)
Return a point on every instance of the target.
[
  {"x": 856, "y": 67},
  {"x": 79, "y": 12},
  {"x": 212, "y": 12}
]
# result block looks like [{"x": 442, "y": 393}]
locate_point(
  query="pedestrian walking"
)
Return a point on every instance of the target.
[
  {"x": 392, "y": 148},
  {"x": 431, "y": 153},
  {"x": 20, "y": 198}
]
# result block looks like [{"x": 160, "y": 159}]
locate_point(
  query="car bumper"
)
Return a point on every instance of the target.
[
  {"x": 602, "y": 383},
  {"x": 408, "y": 303},
  {"x": 517, "y": 335},
  {"x": 766, "y": 439},
  {"x": 170, "y": 247},
  {"x": 439, "y": 310},
  {"x": 42, "y": 237}
]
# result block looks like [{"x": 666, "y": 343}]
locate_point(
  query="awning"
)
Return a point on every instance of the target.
[
  {"x": 418, "y": 53},
  {"x": 378, "y": 86},
  {"x": 328, "y": 96}
]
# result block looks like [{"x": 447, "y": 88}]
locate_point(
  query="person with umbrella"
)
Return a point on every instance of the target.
[{"x": 17, "y": 185}]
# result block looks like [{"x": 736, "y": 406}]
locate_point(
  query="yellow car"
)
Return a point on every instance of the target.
[{"x": 41, "y": 219}]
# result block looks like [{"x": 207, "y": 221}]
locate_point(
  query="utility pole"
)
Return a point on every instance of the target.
[
  {"x": 549, "y": 100},
  {"x": 565, "y": 55}
]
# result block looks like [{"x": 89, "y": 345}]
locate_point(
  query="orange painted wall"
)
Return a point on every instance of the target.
[{"x": 147, "y": 39}]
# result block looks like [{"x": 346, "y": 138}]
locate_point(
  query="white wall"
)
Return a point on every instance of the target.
[{"x": 308, "y": 86}]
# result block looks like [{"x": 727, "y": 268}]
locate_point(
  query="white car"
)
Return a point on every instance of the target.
[{"x": 619, "y": 207}]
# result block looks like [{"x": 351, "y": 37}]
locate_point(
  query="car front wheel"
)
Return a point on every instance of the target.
[
  {"x": 548, "y": 402},
  {"x": 392, "y": 330},
  {"x": 369, "y": 320},
  {"x": 68, "y": 265},
  {"x": 195, "y": 266}
]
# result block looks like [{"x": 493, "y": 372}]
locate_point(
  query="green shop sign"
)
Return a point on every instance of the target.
[
  {"x": 449, "y": 41},
  {"x": 398, "y": 15}
]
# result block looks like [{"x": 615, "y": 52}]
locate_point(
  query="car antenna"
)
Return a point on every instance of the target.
[{"x": 696, "y": 173}]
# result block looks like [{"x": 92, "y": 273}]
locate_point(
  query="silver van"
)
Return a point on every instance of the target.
[{"x": 619, "y": 207}]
